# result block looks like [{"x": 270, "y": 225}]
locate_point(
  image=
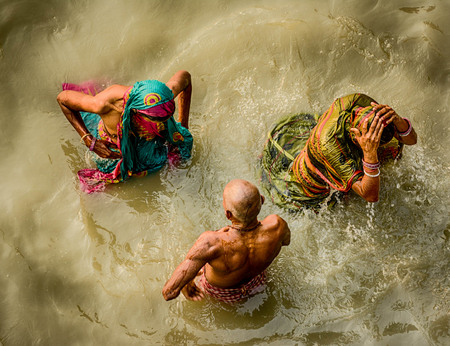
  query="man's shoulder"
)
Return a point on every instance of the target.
[
  {"x": 212, "y": 236},
  {"x": 219, "y": 238},
  {"x": 275, "y": 223},
  {"x": 212, "y": 241},
  {"x": 273, "y": 220}
]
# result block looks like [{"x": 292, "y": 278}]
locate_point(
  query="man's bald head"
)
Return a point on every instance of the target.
[{"x": 242, "y": 199}]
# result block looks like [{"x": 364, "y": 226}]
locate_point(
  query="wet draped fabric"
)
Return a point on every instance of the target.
[
  {"x": 303, "y": 160},
  {"x": 145, "y": 144},
  {"x": 236, "y": 294},
  {"x": 285, "y": 141}
]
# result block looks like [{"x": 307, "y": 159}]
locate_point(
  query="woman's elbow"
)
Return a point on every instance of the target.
[
  {"x": 61, "y": 97},
  {"x": 411, "y": 139},
  {"x": 185, "y": 76},
  {"x": 370, "y": 196},
  {"x": 371, "y": 199},
  {"x": 169, "y": 293}
]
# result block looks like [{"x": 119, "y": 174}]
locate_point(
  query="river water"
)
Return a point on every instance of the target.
[{"x": 81, "y": 269}]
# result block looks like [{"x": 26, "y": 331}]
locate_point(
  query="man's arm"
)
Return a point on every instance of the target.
[
  {"x": 204, "y": 250},
  {"x": 181, "y": 85}
]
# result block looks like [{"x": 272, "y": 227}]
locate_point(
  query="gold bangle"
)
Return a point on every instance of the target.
[{"x": 87, "y": 134}]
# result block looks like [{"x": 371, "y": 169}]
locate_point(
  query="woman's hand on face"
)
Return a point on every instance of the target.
[{"x": 369, "y": 139}]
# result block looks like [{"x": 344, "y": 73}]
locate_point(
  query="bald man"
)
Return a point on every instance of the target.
[{"x": 229, "y": 264}]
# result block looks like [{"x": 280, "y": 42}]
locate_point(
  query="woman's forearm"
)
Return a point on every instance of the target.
[
  {"x": 184, "y": 104},
  {"x": 369, "y": 186},
  {"x": 74, "y": 119},
  {"x": 405, "y": 131}
]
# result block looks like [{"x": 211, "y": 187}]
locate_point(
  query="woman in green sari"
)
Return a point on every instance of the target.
[{"x": 304, "y": 159}]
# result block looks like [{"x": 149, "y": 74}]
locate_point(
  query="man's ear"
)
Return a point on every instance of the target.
[
  {"x": 228, "y": 214},
  {"x": 262, "y": 199}
]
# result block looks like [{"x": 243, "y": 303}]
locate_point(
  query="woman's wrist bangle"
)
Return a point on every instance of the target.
[
  {"x": 408, "y": 131},
  {"x": 372, "y": 175},
  {"x": 371, "y": 165},
  {"x": 84, "y": 136},
  {"x": 91, "y": 148}
]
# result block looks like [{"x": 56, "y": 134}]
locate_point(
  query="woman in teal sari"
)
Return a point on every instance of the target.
[{"x": 129, "y": 130}]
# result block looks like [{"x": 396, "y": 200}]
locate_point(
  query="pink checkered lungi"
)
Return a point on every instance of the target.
[{"x": 233, "y": 295}]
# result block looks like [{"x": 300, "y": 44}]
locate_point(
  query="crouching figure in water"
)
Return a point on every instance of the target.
[
  {"x": 304, "y": 159},
  {"x": 230, "y": 264},
  {"x": 129, "y": 130}
]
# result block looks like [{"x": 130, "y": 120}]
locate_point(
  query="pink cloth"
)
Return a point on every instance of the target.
[
  {"x": 94, "y": 180},
  {"x": 160, "y": 111},
  {"x": 147, "y": 128},
  {"x": 89, "y": 87},
  {"x": 233, "y": 295}
]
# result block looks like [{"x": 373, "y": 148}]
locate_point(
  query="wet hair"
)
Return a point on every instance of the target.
[{"x": 387, "y": 134}]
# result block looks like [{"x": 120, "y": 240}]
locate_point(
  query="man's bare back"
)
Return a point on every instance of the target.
[
  {"x": 244, "y": 254},
  {"x": 233, "y": 255}
]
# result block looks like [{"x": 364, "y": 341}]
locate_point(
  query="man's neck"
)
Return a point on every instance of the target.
[{"x": 240, "y": 226}]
